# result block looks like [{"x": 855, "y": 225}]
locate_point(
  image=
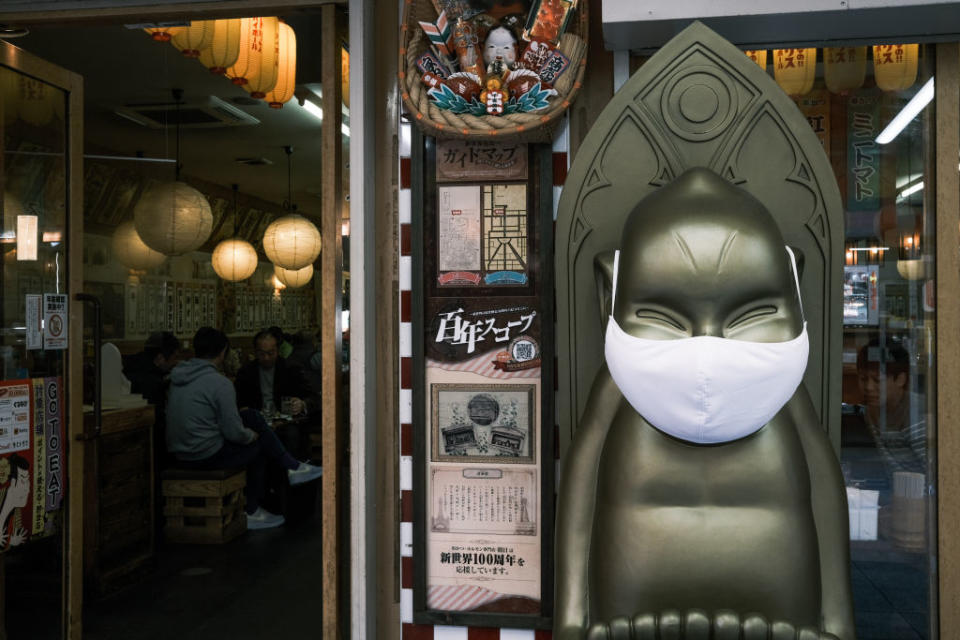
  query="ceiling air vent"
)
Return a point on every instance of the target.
[{"x": 206, "y": 113}]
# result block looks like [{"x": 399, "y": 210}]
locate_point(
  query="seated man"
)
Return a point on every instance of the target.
[
  {"x": 262, "y": 383},
  {"x": 205, "y": 431},
  {"x": 146, "y": 370}
]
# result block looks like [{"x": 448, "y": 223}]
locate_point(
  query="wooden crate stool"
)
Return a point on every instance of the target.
[{"x": 204, "y": 507}]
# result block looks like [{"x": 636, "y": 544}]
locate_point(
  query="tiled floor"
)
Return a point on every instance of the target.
[
  {"x": 890, "y": 601},
  {"x": 265, "y": 584}
]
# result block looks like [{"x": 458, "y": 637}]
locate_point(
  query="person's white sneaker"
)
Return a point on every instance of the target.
[
  {"x": 304, "y": 473},
  {"x": 263, "y": 519}
]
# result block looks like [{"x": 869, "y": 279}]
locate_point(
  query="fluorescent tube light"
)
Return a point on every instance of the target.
[
  {"x": 907, "y": 114},
  {"x": 917, "y": 186}
]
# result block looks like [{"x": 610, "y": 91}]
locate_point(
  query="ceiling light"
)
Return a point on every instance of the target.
[
  {"x": 313, "y": 109},
  {"x": 234, "y": 259},
  {"x": 291, "y": 241},
  {"x": 907, "y": 114}
]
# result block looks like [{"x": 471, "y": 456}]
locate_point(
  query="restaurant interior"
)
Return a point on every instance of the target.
[{"x": 242, "y": 256}]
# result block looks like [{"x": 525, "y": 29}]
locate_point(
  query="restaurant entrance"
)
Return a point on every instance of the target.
[
  {"x": 85, "y": 152},
  {"x": 41, "y": 443}
]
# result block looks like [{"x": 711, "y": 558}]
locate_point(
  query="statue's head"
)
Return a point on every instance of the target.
[{"x": 702, "y": 257}]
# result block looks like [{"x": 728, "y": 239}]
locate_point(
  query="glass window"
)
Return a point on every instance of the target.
[{"x": 879, "y": 144}]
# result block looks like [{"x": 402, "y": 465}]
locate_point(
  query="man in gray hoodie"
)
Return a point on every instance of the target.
[{"x": 205, "y": 430}]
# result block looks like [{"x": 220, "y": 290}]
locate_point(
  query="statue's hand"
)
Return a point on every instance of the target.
[{"x": 698, "y": 625}]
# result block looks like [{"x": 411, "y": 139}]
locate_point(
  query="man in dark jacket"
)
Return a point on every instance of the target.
[
  {"x": 261, "y": 383},
  {"x": 146, "y": 370},
  {"x": 205, "y": 430}
]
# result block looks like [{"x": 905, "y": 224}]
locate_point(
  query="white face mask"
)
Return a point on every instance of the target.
[{"x": 705, "y": 389}]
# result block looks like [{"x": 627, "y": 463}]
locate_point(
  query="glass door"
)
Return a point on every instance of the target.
[{"x": 41, "y": 451}]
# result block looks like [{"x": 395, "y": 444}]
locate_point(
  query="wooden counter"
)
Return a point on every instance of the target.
[{"x": 119, "y": 498}]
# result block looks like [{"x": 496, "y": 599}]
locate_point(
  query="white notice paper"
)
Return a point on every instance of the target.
[
  {"x": 34, "y": 322},
  {"x": 54, "y": 321},
  {"x": 458, "y": 242}
]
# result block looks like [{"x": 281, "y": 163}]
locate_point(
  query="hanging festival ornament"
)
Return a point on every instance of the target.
[
  {"x": 163, "y": 34},
  {"x": 844, "y": 68},
  {"x": 173, "y": 217},
  {"x": 132, "y": 252},
  {"x": 759, "y": 56},
  {"x": 795, "y": 69},
  {"x": 293, "y": 278},
  {"x": 224, "y": 46},
  {"x": 287, "y": 64},
  {"x": 194, "y": 39},
  {"x": 895, "y": 65},
  {"x": 234, "y": 259},
  {"x": 291, "y": 241},
  {"x": 256, "y": 67}
]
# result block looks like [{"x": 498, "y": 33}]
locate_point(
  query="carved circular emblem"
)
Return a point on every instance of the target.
[
  {"x": 483, "y": 409},
  {"x": 698, "y": 105}
]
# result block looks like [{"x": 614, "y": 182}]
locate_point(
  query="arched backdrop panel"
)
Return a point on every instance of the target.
[{"x": 698, "y": 102}]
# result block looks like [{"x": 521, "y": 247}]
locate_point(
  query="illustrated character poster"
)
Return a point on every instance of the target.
[{"x": 32, "y": 463}]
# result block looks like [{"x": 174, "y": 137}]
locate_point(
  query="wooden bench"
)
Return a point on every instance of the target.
[{"x": 203, "y": 507}]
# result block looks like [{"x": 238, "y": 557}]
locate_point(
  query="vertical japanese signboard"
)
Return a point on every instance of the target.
[
  {"x": 486, "y": 462},
  {"x": 32, "y": 463},
  {"x": 863, "y": 152}
]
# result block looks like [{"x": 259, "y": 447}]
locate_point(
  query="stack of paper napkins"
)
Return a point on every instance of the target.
[{"x": 863, "y": 507}]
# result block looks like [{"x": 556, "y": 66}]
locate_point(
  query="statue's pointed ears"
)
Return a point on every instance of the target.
[
  {"x": 603, "y": 272},
  {"x": 800, "y": 258}
]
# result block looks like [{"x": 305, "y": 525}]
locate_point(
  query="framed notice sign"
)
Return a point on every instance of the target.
[{"x": 483, "y": 402}]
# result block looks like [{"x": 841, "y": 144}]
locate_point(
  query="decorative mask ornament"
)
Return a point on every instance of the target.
[
  {"x": 706, "y": 389},
  {"x": 500, "y": 44}
]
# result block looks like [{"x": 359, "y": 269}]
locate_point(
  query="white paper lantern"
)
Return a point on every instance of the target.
[
  {"x": 234, "y": 259},
  {"x": 131, "y": 251},
  {"x": 173, "y": 218},
  {"x": 293, "y": 278},
  {"x": 292, "y": 242}
]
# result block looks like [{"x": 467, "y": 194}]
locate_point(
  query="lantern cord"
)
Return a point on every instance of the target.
[
  {"x": 177, "y": 95},
  {"x": 289, "y": 204},
  {"x": 236, "y": 226}
]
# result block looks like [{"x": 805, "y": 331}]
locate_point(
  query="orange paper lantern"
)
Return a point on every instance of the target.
[
  {"x": 287, "y": 77},
  {"x": 163, "y": 34},
  {"x": 795, "y": 69},
  {"x": 844, "y": 68},
  {"x": 224, "y": 47},
  {"x": 190, "y": 41},
  {"x": 895, "y": 65},
  {"x": 759, "y": 56},
  {"x": 257, "y": 68}
]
